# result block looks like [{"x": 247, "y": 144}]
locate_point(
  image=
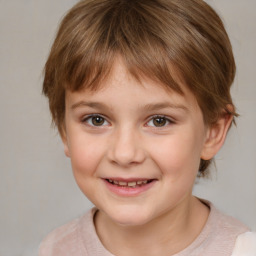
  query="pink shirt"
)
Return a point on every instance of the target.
[{"x": 79, "y": 238}]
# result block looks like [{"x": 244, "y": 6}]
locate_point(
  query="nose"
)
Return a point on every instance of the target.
[{"x": 126, "y": 148}]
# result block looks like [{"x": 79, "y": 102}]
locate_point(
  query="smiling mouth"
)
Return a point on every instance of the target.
[{"x": 129, "y": 184}]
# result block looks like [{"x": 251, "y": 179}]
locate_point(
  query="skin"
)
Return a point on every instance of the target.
[{"x": 128, "y": 143}]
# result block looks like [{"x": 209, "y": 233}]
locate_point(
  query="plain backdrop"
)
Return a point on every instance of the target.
[{"x": 37, "y": 189}]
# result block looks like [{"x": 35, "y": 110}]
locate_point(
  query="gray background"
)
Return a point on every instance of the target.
[{"x": 37, "y": 189}]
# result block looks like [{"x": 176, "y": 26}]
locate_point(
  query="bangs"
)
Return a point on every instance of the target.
[{"x": 117, "y": 31}]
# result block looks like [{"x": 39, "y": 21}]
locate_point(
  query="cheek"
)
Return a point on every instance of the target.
[
  {"x": 85, "y": 158},
  {"x": 177, "y": 155},
  {"x": 85, "y": 154}
]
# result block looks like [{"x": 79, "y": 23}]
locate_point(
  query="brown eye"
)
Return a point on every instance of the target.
[
  {"x": 97, "y": 120},
  {"x": 159, "y": 121}
]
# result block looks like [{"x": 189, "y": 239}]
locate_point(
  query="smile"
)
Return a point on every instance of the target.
[
  {"x": 129, "y": 187},
  {"x": 131, "y": 184}
]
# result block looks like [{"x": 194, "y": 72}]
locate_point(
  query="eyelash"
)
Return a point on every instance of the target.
[
  {"x": 151, "y": 119},
  {"x": 89, "y": 117}
]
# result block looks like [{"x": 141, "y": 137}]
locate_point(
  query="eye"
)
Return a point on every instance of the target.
[
  {"x": 95, "y": 120},
  {"x": 159, "y": 121}
]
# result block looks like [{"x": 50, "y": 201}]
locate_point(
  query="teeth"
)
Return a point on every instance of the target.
[
  {"x": 123, "y": 183},
  {"x": 129, "y": 184},
  {"x": 132, "y": 184}
]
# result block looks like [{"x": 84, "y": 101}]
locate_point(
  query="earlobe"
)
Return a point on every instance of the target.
[
  {"x": 65, "y": 142},
  {"x": 215, "y": 136},
  {"x": 66, "y": 150}
]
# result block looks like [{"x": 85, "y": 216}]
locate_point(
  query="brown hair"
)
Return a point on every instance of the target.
[{"x": 151, "y": 36}]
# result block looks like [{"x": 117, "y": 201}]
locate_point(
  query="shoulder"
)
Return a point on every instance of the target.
[
  {"x": 245, "y": 244},
  {"x": 59, "y": 240},
  {"x": 219, "y": 234},
  {"x": 226, "y": 225},
  {"x": 66, "y": 240}
]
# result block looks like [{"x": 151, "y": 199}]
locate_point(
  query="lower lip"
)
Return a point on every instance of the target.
[{"x": 129, "y": 191}]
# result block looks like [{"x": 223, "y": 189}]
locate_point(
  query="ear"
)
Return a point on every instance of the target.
[
  {"x": 216, "y": 135},
  {"x": 64, "y": 139}
]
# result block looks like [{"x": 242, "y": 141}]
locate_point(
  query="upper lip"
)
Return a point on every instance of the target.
[{"x": 127, "y": 179}]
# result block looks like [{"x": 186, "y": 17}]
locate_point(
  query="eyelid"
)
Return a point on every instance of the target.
[
  {"x": 168, "y": 119},
  {"x": 85, "y": 118}
]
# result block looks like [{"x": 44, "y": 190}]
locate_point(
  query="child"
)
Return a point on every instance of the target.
[{"x": 140, "y": 93}]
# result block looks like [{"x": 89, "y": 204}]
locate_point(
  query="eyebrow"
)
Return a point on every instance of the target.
[
  {"x": 162, "y": 105},
  {"x": 147, "y": 107},
  {"x": 97, "y": 105}
]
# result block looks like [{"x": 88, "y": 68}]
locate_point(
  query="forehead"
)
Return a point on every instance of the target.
[{"x": 120, "y": 87}]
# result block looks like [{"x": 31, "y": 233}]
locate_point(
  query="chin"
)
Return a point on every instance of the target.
[{"x": 129, "y": 216}]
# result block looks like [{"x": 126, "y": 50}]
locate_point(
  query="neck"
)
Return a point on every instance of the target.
[{"x": 166, "y": 235}]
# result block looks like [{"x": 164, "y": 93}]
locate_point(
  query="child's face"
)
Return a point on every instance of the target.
[{"x": 132, "y": 132}]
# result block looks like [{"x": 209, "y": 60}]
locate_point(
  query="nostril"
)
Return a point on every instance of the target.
[{"x": 125, "y": 148}]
